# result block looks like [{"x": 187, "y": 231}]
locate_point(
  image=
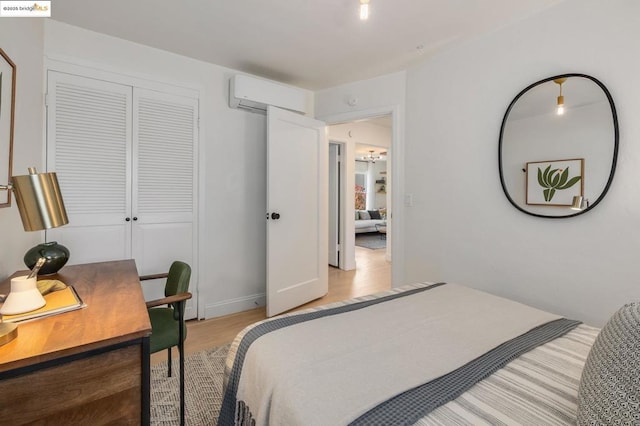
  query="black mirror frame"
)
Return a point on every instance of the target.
[{"x": 615, "y": 147}]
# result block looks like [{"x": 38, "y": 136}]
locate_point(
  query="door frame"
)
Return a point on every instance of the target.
[
  {"x": 395, "y": 210},
  {"x": 334, "y": 216}
]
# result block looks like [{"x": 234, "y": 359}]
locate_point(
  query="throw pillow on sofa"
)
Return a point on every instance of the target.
[
  {"x": 374, "y": 214},
  {"x": 364, "y": 215}
]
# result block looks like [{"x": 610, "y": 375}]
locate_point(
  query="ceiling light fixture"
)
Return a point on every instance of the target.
[
  {"x": 371, "y": 158},
  {"x": 364, "y": 10},
  {"x": 560, "y": 108}
]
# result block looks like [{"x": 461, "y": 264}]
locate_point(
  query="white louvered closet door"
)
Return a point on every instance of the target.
[
  {"x": 165, "y": 136},
  {"x": 89, "y": 147},
  {"x": 125, "y": 158}
]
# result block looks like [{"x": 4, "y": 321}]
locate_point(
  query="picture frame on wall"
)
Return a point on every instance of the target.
[
  {"x": 555, "y": 182},
  {"x": 7, "y": 109}
]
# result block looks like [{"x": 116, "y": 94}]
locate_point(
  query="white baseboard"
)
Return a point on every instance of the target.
[{"x": 232, "y": 306}]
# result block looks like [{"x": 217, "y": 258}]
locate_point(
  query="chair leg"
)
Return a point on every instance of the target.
[
  {"x": 169, "y": 361},
  {"x": 181, "y": 336},
  {"x": 181, "y": 354}
]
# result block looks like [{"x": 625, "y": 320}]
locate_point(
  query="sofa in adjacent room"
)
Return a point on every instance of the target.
[{"x": 366, "y": 220}]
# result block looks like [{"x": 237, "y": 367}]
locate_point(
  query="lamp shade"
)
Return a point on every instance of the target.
[
  {"x": 41, "y": 207},
  {"x": 39, "y": 201}
]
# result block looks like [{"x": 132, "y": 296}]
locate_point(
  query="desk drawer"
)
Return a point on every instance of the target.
[{"x": 97, "y": 389}]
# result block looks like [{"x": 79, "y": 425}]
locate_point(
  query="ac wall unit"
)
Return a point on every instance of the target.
[{"x": 254, "y": 94}]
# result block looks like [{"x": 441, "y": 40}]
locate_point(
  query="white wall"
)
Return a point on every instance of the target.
[
  {"x": 461, "y": 227},
  {"x": 22, "y": 42},
  {"x": 379, "y": 92},
  {"x": 362, "y": 132},
  {"x": 233, "y": 162}
]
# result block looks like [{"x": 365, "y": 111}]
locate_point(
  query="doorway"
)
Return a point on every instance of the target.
[{"x": 364, "y": 147}]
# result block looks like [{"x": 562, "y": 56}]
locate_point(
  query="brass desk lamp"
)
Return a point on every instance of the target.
[{"x": 41, "y": 207}]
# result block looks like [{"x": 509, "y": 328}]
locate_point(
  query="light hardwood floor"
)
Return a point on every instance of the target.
[{"x": 373, "y": 274}]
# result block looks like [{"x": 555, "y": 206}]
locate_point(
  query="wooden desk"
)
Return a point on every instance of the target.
[{"x": 89, "y": 366}]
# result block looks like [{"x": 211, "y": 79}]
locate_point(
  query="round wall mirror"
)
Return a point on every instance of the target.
[{"x": 558, "y": 146}]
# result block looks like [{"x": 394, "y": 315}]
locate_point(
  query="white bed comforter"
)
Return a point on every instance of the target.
[{"x": 331, "y": 370}]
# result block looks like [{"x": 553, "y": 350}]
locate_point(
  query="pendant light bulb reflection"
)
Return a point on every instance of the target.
[
  {"x": 560, "y": 103},
  {"x": 364, "y": 10}
]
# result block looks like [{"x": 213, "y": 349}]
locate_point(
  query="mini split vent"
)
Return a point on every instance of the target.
[{"x": 254, "y": 94}]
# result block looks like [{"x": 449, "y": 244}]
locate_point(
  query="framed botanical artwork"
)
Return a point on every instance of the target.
[
  {"x": 554, "y": 183},
  {"x": 7, "y": 106}
]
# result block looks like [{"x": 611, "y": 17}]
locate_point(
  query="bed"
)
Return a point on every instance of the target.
[{"x": 425, "y": 354}]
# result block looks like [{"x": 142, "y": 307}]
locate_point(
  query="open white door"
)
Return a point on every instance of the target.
[{"x": 297, "y": 152}]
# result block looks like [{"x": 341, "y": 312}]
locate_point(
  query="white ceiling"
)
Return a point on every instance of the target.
[{"x": 313, "y": 44}]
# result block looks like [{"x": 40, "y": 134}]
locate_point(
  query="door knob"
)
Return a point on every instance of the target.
[
  {"x": 275, "y": 216},
  {"x": 135, "y": 218},
  {"x": 127, "y": 219}
]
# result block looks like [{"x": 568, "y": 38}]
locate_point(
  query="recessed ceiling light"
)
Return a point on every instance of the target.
[{"x": 364, "y": 10}]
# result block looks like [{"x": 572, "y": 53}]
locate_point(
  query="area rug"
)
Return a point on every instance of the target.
[
  {"x": 371, "y": 240},
  {"x": 202, "y": 388}
]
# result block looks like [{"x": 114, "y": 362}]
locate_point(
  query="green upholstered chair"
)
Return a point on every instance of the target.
[{"x": 167, "y": 323}]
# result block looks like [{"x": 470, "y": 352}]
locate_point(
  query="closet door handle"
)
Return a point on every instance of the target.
[
  {"x": 127, "y": 219},
  {"x": 135, "y": 218}
]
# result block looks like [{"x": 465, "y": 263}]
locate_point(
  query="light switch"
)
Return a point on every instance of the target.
[{"x": 408, "y": 200}]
